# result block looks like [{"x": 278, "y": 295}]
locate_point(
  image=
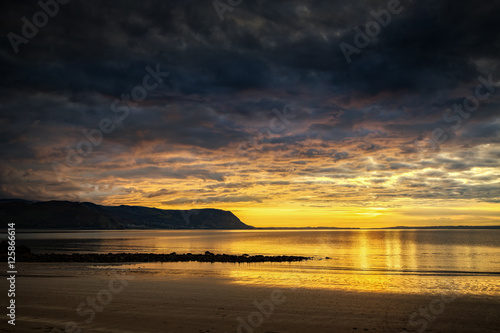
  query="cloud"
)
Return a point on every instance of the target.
[{"x": 214, "y": 132}]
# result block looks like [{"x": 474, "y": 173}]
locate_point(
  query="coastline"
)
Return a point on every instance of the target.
[{"x": 52, "y": 295}]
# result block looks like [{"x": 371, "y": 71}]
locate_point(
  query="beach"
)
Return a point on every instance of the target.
[{"x": 78, "y": 297}]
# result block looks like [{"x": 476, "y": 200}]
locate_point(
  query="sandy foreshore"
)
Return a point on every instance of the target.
[{"x": 76, "y": 298}]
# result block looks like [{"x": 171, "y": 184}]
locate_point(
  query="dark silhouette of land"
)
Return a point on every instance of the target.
[{"x": 89, "y": 216}]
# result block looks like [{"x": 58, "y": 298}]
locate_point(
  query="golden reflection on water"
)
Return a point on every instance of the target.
[
  {"x": 364, "y": 262},
  {"x": 314, "y": 275},
  {"x": 373, "y": 263},
  {"x": 410, "y": 261}
]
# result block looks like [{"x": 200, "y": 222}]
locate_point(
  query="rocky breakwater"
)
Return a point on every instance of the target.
[{"x": 153, "y": 257}]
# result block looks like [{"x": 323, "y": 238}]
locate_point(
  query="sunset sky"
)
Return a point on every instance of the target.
[{"x": 260, "y": 113}]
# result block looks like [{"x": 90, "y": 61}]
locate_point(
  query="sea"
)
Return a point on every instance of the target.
[{"x": 459, "y": 261}]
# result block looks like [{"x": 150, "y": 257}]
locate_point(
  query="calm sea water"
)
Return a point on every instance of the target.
[{"x": 420, "y": 261}]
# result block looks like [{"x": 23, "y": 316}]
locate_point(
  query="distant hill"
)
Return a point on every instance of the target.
[{"x": 86, "y": 216}]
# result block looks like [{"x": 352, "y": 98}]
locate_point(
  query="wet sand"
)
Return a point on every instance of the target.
[{"x": 78, "y": 298}]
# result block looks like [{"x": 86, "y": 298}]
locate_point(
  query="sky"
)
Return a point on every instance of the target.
[{"x": 288, "y": 113}]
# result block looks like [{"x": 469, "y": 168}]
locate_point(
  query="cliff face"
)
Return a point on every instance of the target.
[{"x": 85, "y": 215}]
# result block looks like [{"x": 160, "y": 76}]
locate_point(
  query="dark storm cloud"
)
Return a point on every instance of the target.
[
  {"x": 104, "y": 46},
  {"x": 228, "y": 78}
]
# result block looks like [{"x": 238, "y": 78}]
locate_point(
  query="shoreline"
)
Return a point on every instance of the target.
[{"x": 208, "y": 304}]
